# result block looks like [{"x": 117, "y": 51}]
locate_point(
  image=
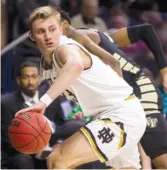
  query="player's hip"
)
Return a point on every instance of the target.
[
  {"x": 111, "y": 139},
  {"x": 129, "y": 112}
]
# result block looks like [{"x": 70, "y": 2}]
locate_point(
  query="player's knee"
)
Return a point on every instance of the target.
[
  {"x": 162, "y": 165},
  {"x": 57, "y": 161}
]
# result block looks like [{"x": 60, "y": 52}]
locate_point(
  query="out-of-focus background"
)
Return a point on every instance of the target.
[
  {"x": 16, "y": 47},
  {"x": 103, "y": 15}
]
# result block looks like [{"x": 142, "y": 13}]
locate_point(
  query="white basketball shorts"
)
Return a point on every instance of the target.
[{"x": 115, "y": 139}]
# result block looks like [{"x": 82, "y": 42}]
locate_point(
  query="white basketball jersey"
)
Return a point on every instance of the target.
[{"x": 98, "y": 89}]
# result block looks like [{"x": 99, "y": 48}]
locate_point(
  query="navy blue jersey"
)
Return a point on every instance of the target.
[{"x": 130, "y": 69}]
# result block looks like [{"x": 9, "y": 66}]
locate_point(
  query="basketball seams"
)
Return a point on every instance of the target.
[
  {"x": 22, "y": 133},
  {"x": 36, "y": 144},
  {"x": 41, "y": 127},
  {"x": 33, "y": 128},
  {"x": 26, "y": 143},
  {"x": 42, "y": 130},
  {"x": 35, "y": 137},
  {"x": 37, "y": 134}
]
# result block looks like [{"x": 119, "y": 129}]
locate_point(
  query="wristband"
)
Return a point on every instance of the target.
[{"x": 46, "y": 99}]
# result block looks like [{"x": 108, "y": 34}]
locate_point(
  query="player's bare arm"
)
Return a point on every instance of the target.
[
  {"x": 89, "y": 40},
  {"x": 72, "y": 62},
  {"x": 148, "y": 35},
  {"x": 121, "y": 37}
]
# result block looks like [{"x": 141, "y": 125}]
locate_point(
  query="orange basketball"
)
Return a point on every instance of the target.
[{"x": 29, "y": 132}]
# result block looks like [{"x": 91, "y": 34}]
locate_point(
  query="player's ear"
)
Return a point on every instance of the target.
[
  {"x": 31, "y": 36},
  {"x": 64, "y": 25}
]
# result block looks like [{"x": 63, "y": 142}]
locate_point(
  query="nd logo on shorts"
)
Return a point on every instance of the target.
[{"x": 105, "y": 136}]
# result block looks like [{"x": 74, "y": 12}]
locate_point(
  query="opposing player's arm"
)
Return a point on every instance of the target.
[
  {"x": 71, "y": 61},
  {"x": 146, "y": 33},
  {"x": 121, "y": 37},
  {"x": 101, "y": 53}
]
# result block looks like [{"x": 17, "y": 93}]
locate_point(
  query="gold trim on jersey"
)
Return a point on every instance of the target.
[
  {"x": 91, "y": 139},
  {"x": 130, "y": 97},
  {"x": 147, "y": 87},
  {"x": 149, "y": 97},
  {"x": 107, "y": 120},
  {"x": 126, "y": 65},
  {"x": 121, "y": 139}
]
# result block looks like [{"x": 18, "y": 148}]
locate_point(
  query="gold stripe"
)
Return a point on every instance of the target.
[
  {"x": 130, "y": 97},
  {"x": 148, "y": 87},
  {"x": 150, "y": 106},
  {"x": 121, "y": 140},
  {"x": 143, "y": 81},
  {"x": 151, "y": 97},
  {"x": 92, "y": 143},
  {"x": 116, "y": 56},
  {"x": 152, "y": 112},
  {"x": 122, "y": 62},
  {"x": 106, "y": 121}
]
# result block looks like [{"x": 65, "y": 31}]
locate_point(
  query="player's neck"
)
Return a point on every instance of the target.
[{"x": 47, "y": 61}]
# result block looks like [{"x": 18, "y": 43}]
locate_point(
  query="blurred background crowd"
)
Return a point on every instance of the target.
[
  {"x": 104, "y": 15},
  {"x": 107, "y": 15}
]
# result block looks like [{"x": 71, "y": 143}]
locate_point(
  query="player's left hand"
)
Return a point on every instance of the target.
[
  {"x": 38, "y": 107},
  {"x": 164, "y": 79}
]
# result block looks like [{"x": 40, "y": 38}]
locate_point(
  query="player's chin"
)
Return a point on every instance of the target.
[
  {"x": 30, "y": 92},
  {"x": 50, "y": 49}
]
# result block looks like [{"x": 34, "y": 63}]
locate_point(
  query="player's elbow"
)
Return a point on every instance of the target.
[{"x": 77, "y": 66}]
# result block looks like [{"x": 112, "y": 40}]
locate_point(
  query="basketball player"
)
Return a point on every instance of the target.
[
  {"x": 144, "y": 88},
  {"x": 119, "y": 120}
]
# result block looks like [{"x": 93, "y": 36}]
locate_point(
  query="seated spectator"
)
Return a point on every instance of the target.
[
  {"x": 119, "y": 21},
  {"x": 29, "y": 92},
  {"x": 70, "y": 6},
  {"x": 88, "y": 18}
]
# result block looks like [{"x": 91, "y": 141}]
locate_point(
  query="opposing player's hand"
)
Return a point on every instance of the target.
[
  {"x": 77, "y": 116},
  {"x": 164, "y": 79},
  {"x": 38, "y": 107}
]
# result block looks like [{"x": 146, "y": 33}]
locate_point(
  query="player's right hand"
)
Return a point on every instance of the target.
[{"x": 38, "y": 108}]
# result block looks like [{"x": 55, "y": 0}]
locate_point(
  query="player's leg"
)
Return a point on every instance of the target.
[
  {"x": 156, "y": 130},
  {"x": 145, "y": 160},
  {"x": 75, "y": 151},
  {"x": 160, "y": 162},
  {"x": 98, "y": 140}
]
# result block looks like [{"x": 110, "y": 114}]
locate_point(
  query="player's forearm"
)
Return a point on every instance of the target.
[
  {"x": 68, "y": 74},
  {"x": 121, "y": 37},
  {"x": 147, "y": 33}
]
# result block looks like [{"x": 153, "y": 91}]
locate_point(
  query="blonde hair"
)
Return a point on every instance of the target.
[{"x": 43, "y": 13}]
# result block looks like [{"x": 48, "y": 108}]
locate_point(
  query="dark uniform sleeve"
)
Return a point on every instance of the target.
[{"x": 147, "y": 33}]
